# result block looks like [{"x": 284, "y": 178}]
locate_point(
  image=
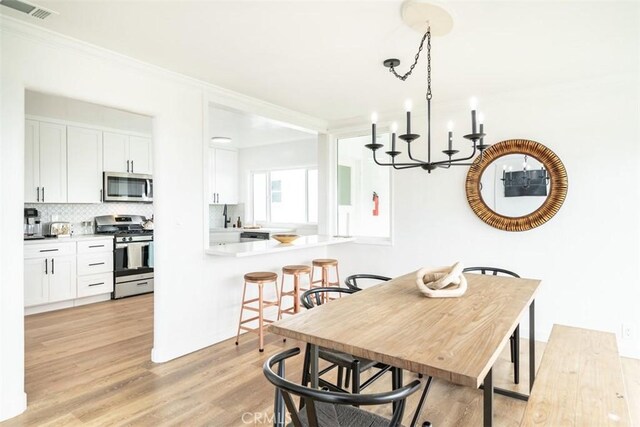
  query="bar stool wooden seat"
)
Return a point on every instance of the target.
[
  {"x": 259, "y": 278},
  {"x": 296, "y": 271},
  {"x": 326, "y": 265}
]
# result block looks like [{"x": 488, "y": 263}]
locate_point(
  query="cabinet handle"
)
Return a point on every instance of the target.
[
  {"x": 53, "y": 266},
  {"x": 48, "y": 250},
  {"x": 96, "y": 246},
  {"x": 38, "y": 190},
  {"x": 101, "y": 196},
  {"x": 127, "y": 165},
  {"x": 142, "y": 283},
  {"x": 46, "y": 266},
  {"x": 96, "y": 263},
  {"x": 97, "y": 284},
  {"x": 131, "y": 166},
  {"x": 42, "y": 194}
]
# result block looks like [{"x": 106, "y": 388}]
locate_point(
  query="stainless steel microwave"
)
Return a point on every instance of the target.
[{"x": 127, "y": 187}]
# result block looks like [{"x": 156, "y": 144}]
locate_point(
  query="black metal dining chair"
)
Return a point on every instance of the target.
[
  {"x": 352, "y": 281},
  {"x": 514, "y": 339},
  {"x": 353, "y": 366},
  {"x": 324, "y": 408}
]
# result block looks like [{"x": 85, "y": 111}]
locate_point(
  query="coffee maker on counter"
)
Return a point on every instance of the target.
[{"x": 32, "y": 226}]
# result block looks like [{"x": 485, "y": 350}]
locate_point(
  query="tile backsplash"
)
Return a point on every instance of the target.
[
  {"x": 233, "y": 211},
  {"x": 78, "y": 213}
]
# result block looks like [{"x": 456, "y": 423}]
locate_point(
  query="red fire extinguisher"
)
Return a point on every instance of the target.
[{"x": 376, "y": 201}]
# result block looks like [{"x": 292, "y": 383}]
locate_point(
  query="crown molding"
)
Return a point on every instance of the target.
[{"x": 214, "y": 93}]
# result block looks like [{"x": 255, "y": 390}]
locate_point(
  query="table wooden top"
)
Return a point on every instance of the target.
[{"x": 456, "y": 339}]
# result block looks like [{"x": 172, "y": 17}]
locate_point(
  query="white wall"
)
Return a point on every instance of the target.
[
  {"x": 286, "y": 155},
  {"x": 197, "y": 296},
  {"x": 587, "y": 255},
  {"x": 62, "y": 108}
]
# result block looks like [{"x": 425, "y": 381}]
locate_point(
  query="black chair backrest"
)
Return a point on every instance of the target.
[
  {"x": 311, "y": 396},
  {"x": 352, "y": 281},
  {"x": 318, "y": 296},
  {"x": 492, "y": 270}
]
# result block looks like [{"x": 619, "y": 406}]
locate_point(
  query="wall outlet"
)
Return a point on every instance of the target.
[{"x": 627, "y": 331}]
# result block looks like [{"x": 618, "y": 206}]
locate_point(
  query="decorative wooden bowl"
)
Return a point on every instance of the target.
[{"x": 285, "y": 238}]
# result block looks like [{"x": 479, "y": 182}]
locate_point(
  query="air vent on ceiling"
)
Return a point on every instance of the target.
[{"x": 28, "y": 8}]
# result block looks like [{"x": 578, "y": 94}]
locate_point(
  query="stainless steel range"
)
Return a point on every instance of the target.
[{"x": 133, "y": 253}]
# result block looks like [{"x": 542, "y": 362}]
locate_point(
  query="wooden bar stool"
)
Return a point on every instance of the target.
[
  {"x": 257, "y": 278},
  {"x": 325, "y": 265},
  {"x": 296, "y": 271}
]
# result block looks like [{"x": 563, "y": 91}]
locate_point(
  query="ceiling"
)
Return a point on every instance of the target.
[
  {"x": 323, "y": 58},
  {"x": 249, "y": 130}
]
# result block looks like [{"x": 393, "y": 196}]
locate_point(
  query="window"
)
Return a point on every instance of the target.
[
  {"x": 288, "y": 196},
  {"x": 364, "y": 190}
]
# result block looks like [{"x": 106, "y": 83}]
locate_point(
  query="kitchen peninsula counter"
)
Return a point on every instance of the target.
[{"x": 245, "y": 249}]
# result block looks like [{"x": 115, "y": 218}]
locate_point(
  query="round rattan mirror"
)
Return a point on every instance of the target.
[{"x": 516, "y": 185}]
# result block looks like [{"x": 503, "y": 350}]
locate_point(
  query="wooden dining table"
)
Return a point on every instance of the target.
[{"x": 454, "y": 339}]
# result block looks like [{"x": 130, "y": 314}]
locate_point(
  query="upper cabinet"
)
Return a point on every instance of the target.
[
  {"x": 125, "y": 153},
  {"x": 84, "y": 171},
  {"x": 64, "y": 163},
  {"x": 45, "y": 162},
  {"x": 223, "y": 176}
]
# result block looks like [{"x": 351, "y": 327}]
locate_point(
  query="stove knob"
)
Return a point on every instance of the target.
[{"x": 130, "y": 238}]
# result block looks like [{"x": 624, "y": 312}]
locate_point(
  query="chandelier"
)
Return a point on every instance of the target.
[{"x": 476, "y": 136}]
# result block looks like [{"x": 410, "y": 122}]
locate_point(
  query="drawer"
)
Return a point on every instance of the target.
[
  {"x": 95, "y": 284},
  {"x": 95, "y": 246},
  {"x": 95, "y": 263},
  {"x": 45, "y": 250},
  {"x": 133, "y": 288}
]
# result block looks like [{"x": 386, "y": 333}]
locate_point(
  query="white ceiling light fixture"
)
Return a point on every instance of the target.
[
  {"x": 28, "y": 8},
  {"x": 221, "y": 140},
  {"x": 434, "y": 20}
]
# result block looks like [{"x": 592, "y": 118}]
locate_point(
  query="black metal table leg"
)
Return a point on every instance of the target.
[
  {"x": 313, "y": 365},
  {"x": 278, "y": 405},
  {"x": 396, "y": 377},
  {"x": 532, "y": 344},
  {"x": 516, "y": 355},
  {"x": 488, "y": 399}
]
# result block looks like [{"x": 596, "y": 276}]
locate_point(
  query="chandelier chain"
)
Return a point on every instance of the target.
[
  {"x": 415, "y": 62},
  {"x": 429, "y": 95}
]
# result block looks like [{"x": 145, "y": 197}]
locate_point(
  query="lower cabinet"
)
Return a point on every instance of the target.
[
  {"x": 55, "y": 272},
  {"x": 49, "y": 279}
]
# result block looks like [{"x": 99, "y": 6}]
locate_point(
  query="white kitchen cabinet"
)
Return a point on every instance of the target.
[
  {"x": 115, "y": 152},
  {"x": 223, "y": 176},
  {"x": 140, "y": 155},
  {"x": 31, "y": 161},
  {"x": 126, "y": 153},
  {"x": 45, "y": 162},
  {"x": 36, "y": 281},
  {"x": 50, "y": 273},
  {"x": 95, "y": 267},
  {"x": 84, "y": 168},
  {"x": 62, "y": 278}
]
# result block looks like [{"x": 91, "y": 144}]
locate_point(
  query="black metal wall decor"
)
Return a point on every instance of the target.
[
  {"x": 527, "y": 182},
  {"x": 476, "y": 136}
]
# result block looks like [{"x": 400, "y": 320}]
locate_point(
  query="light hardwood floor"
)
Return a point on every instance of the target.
[{"x": 90, "y": 366}]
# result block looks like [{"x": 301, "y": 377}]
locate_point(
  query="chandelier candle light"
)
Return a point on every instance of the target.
[{"x": 476, "y": 136}]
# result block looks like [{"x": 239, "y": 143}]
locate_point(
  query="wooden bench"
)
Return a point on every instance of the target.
[{"x": 579, "y": 382}]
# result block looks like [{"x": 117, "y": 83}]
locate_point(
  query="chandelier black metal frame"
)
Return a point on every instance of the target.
[{"x": 476, "y": 136}]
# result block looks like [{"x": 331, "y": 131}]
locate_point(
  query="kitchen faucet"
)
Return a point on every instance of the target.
[{"x": 226, "y": 217}]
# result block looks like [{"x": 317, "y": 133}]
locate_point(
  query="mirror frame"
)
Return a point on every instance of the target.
[{"x": 551, "y": 162}]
